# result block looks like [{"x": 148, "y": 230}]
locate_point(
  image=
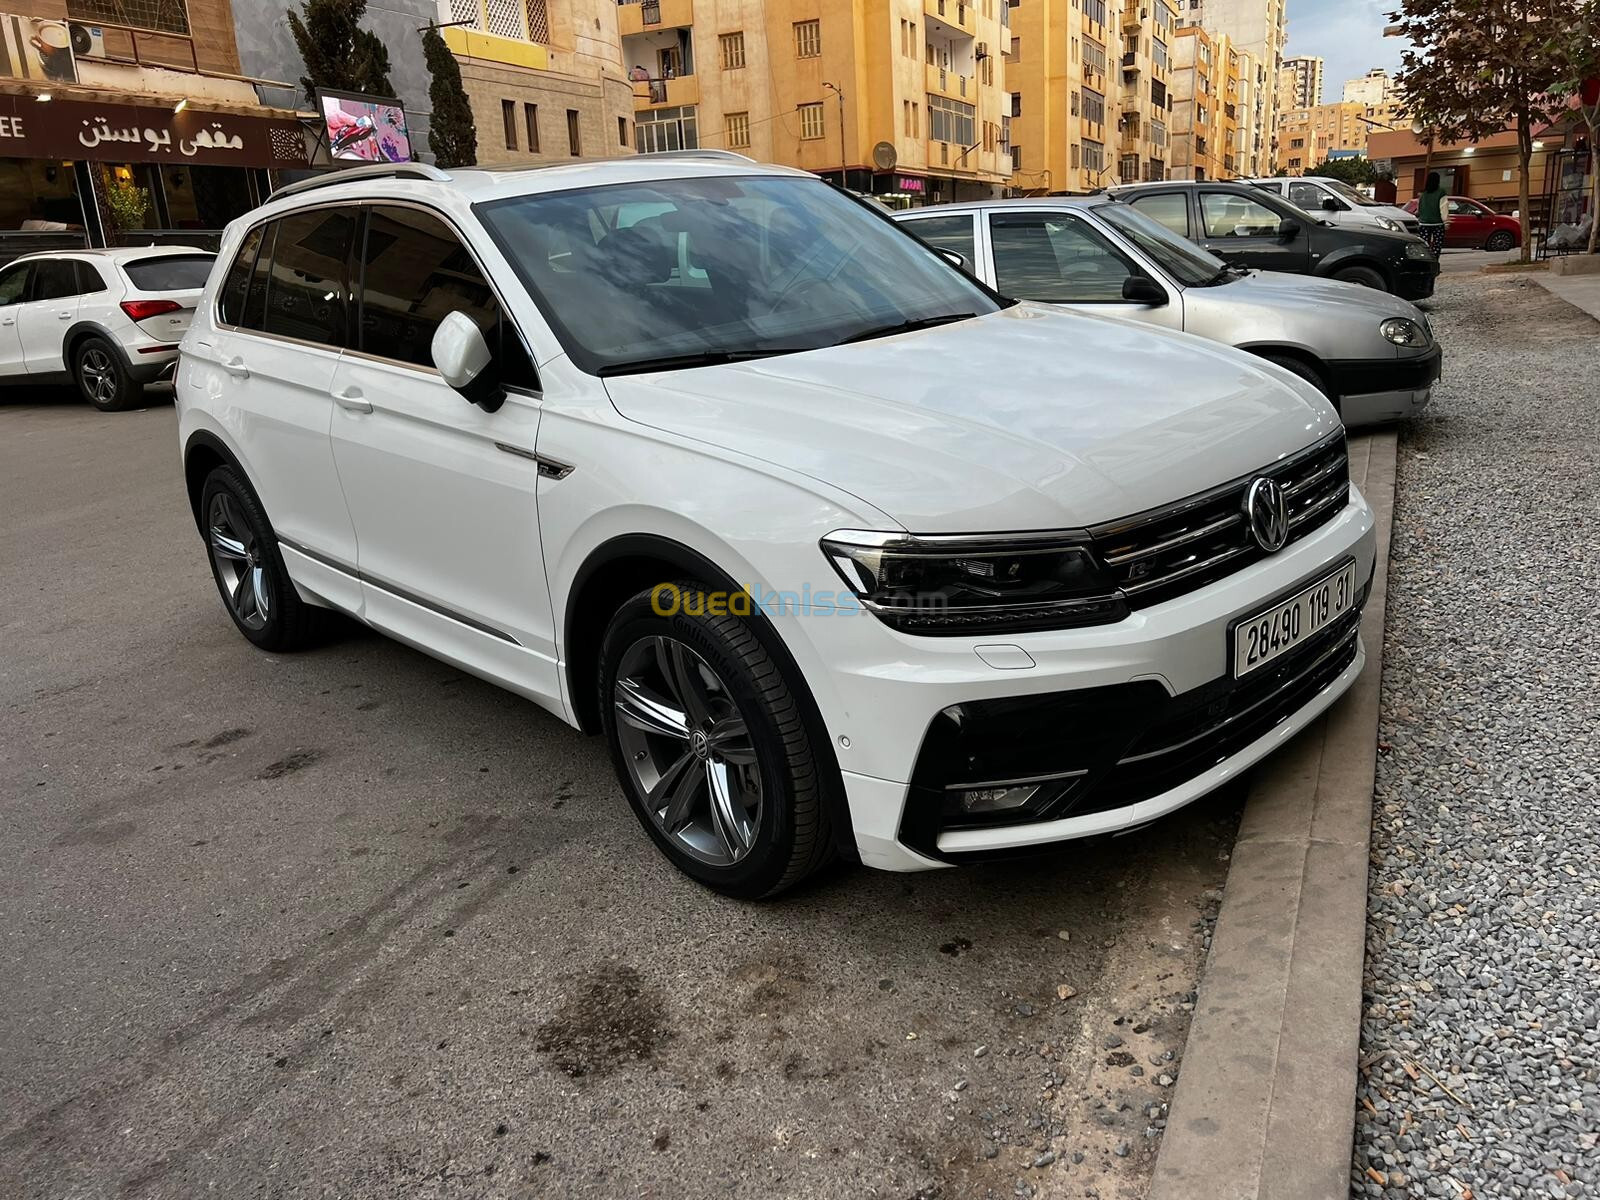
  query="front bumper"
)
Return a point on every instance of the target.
[
  {"x": 1414, "y": 279},
  {"x": 886, "y": 692},
  {"x": 1372, "y": 391}
]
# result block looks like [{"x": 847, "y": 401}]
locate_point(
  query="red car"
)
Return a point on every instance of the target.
[{"x": 1477, "y": 226}]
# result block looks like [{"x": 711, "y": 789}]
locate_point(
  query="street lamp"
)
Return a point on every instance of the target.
[{"x": 843, "y": 154}]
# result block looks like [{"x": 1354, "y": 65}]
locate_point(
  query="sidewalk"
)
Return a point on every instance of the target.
[{"x": 1580, "y": 291}]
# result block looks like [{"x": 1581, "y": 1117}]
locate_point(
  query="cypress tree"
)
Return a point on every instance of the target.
[{"x": 452, "y": 133}]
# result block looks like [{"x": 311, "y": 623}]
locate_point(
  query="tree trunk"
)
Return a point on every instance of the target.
[
  {"x": 1525, "y": 162},
  {"x": 1594, "y": 182}
]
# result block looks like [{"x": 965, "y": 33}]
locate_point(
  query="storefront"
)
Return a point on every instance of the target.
[{"x": 81, "y": 169}]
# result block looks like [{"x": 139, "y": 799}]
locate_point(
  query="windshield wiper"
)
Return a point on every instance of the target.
[
  {"x": 698, "y": 358},
  {"x": 1222, "y": 276},
  {"x": 905, "y": 327}
]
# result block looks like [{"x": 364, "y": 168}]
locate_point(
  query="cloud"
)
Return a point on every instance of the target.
[{"x": 1348, "y": 34}]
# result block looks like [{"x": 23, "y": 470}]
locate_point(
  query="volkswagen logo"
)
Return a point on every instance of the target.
[
  {"x": 1268, "y": 513},
  {"x": 700, "y": 744}
]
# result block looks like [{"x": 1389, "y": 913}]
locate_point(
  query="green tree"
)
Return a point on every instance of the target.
[
  {"x": 1476, "y": 66},
  {"x": 338, "y": 53},
  {"x": 452, "y": 133},
  {"x": 1577, "y": 50},
  {"x": 1357, "y": 172}
]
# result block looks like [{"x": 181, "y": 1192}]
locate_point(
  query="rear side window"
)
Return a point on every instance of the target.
[
  {"x": 308, "y": 282},
  {"x": 89, "y": 277},
  {"x": 233, "y": 300},
  {"x": 170, "y": 272},
  {"x": 55, "y": 280},
  {"x": 1169, "y": 208},
  {"x": 414, "y": 271},
  {"x": 946, "y": 233}
]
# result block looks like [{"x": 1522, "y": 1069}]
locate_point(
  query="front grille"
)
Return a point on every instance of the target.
[{"x": 1169, "y": 551}]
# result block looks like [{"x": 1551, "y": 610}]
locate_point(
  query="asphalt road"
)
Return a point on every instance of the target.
[{"x": 351, "y": 923}]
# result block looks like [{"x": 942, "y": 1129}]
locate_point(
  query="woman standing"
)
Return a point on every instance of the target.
[{"x": 1430, "y": 212}]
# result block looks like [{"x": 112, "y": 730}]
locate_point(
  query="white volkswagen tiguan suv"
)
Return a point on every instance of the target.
[{"x": 842, "y": 552}]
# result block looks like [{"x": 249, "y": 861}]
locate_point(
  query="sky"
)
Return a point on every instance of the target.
[{"x": 1347, "y": 34}]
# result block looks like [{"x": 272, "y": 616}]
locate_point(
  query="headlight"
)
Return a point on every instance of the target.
[
  {"x": 1403, "y": 331},
  {"x": 1390, "y": 224},
  {"x": 962, "y": 585},
  {"x": 1419, "y": 250}
]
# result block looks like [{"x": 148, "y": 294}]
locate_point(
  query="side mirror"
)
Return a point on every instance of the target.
[
  {"x": 464, "y": 361},
  {"x": 1288, "y": 229},
  {"x": 1329, "y": 204},
  {"x": 1141, "y": 289},
  {"x": 954, "y": 257}
]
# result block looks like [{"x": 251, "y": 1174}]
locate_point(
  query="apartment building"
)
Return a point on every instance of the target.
[
  {"x": 904, "y": 99},
  {"x": 1302, "y": 81},
  {"x": 1258, "y": 28},
  {"x": 1313, "y": 135},
  {"x": 1378, "y": 93},
  {"x": 1090, "y": 92}
]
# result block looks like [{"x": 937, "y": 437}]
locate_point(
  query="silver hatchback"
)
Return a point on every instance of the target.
[{"x": 1370, "y": 353}]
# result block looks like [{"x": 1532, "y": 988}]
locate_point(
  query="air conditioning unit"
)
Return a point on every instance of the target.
[
  {"x": 88, "y": 41},
  {"x": 983, "y": 51}
]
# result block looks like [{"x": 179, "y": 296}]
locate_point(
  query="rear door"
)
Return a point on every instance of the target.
[
  {"x": 14, "y": 281},
  {"x": 167, "y": 287},
  {"x": 1244, "y": 230},
  {"x": 44, "y": 320},
  {"x": 444, "y": 495},
  {"x": 268, "y": 363},
  {"x": 1169, "y": 208}
]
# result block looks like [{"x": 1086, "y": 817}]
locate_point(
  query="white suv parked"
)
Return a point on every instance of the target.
[
  {"x": 841, "y": 551},
  {"x": 107, "y": 320}
]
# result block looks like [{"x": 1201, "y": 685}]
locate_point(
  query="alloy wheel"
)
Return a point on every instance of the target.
[
  {"x": 688, "y": 750},
  {"x": 99, "y": 375},
  {"x": 240, "y": 564}
]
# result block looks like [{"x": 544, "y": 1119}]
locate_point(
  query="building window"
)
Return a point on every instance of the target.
[
  {"x": 1094, "y": 156},
  {"x": 905, "y": 117},
  {"x": 1016, "y": 104},
  {"x": 167, "y": 16},
  {"x": 951, "y": 121},
  {"x": 572, "y": 132},
  {"x": 738, "y": 130},
  {"x": 1014, "y": 54},
  {"x": 1094, "y": 10},
  {"x": 1094, "y": 107},
  {"x": 530, "y": 120},
  {"x": 1158, "y": 53},
  {"x": 666, "y": 129},
  {"x": 732, "y": 46},
  {"x": 1094, "y": 57},
  {"x": 622, "y": 131},
  {"x": 1016, "y": 156},
  {"x": 1130, "y": 168},
  {"x": 807, "y": 40},
  {"x": 508, "y": 117},
  {"x": 811, "y": 121}
]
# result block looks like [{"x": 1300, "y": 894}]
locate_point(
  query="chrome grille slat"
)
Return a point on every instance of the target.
[
  {"x": 1133, "y": 589},
  {"x": 1182, "y": 539},
  {"x": 1300, "y": 485}
]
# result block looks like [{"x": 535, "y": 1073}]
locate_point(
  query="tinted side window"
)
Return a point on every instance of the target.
[
  {"x": 1229, "y": 216},
  {"x": 307, "y": 287},
  {"x": 1307, "y": 196},
  {"x": 236, "y": 287},
  {"x": 55, "y": 280},
  {"x": 14, "y": 283},
  {"x": 946, "y": 233},
  {"x": 89, "y": 277},
  {"x": 1170, "y": 208},
  {"x": 414, "y": 271},
  {"x": 170, "y": 272},
  {"x": 1055, "y": 257}
]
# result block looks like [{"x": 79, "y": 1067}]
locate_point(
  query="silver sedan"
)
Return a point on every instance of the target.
[{"x": 1372, "y": 354}]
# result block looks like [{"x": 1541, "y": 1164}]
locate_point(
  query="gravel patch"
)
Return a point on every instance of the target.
[{"x": 1480, "y": 1067}]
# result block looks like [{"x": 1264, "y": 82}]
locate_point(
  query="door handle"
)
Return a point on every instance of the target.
[
  {"x": 235, "y": 366},
  {"x": 65, "y": 314},
  {"x": 351, "y": 400}
]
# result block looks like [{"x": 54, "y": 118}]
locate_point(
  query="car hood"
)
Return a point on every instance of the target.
[
  {"x": 1025, "y": 419},
  {"x": 1322, "y": 298}
]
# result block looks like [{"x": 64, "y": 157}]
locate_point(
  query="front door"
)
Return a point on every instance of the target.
[
  {"x": 42, "y": 323},
  {"x": 443, "y": 494},
  {"x": 1241, "y": 230},
  {"x": 13, "y": 295},
  {"x": 1466, "y": 224}
]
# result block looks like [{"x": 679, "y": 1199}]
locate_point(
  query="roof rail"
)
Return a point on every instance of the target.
[
  {"x": 375, "y": 171},
  {"x": 725, "y": 155}
]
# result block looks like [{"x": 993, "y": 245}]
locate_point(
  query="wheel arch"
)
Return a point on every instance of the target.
[
  {"x": 619, "y": 569},
  {"x": 203, "y": 453},
  {"x": 1356, "y": 256},
  {"x": 79, "y": 331}
]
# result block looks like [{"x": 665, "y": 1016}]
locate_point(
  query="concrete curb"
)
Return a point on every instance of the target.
[{"x": 1265, "y": 1101}]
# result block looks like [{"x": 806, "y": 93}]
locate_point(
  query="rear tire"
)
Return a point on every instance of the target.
[
  {"x": 101, "y": 378},
  {"x": 710, "y": 745},
  {"x": 1500, "y": 240},
  {"x": 1365, "y": 276},
  {"x": 248, "y": 567}
]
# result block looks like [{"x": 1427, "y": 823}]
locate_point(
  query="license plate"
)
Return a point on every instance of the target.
[{"x": 1273, "y": 633}]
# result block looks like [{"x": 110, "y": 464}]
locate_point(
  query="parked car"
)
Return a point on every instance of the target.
[
  {"x": 1373, "y": 355},
  {"x": 841, "y": 552},
  {"x": 107, "y": 320},
  {"x": 1469, "y": 223},
  {"x": 1252, "y": 228},
  {"x": 1337, "y": 201}
]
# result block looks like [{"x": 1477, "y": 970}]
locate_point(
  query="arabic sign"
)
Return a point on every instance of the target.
[
  {"x": 74, "y": 129},
  {"x": 365, "y": 128}
]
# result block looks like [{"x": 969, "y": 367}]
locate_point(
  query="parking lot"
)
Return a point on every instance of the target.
[{"x": 353, "y": 923}]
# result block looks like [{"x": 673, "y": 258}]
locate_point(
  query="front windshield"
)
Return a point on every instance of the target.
[
  {"x": 1344, "y": 191},
  {"x": 641, "y": 274},
  {"x": 1189, "y": 264}
]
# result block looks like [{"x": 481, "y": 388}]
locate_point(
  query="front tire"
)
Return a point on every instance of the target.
[
  {"x": 1500, "y": 240},
  {"x": 1305, "y": 370},
  {"x": 101, "y": 378},
  {"x": 710, "y": 745},
  {"x": 1365, "y": 276},
  {"x": 248, "y": 567}
]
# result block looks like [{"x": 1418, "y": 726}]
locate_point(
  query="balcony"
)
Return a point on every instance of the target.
[
  {"x": 1134, "y": 17},
  {"x": 665, "y": 93},
  {"x": 1130, "y": 65},
  {"x": 473, "y": 43},
  {"x": 943, "y": 82},
  {"x": 636, "y": 16},
  {"x": 955, "y": 13}
]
